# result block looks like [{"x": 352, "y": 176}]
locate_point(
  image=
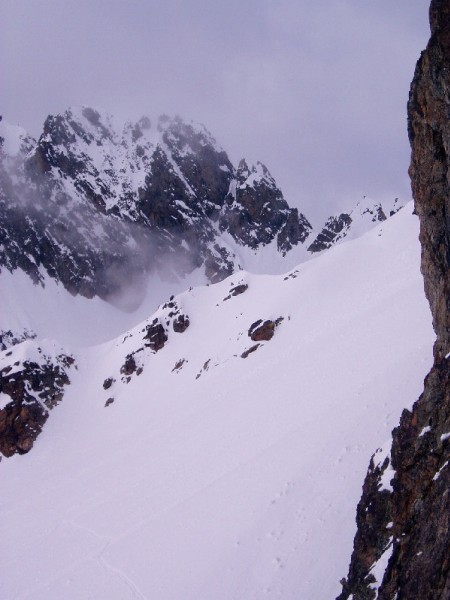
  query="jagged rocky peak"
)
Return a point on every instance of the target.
[
  {"x": 366, "y": 214},
  {"x": 401, "y": 547},
  {"x": 103, "y": 158},
  {"x": 243, "y": 172},
  {"x": 334, "y": 230},
  {"x": 188, "y": 137},
  {"x": 255, "y": 211},
  {"x": 75, "y": 130},
  {"x": 154, "y": 192}
]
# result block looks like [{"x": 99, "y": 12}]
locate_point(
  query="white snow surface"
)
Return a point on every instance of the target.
[{"x": 243, "y": 482}]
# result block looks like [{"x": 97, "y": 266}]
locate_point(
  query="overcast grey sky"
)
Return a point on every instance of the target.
[{"x": 315, "y": 89}]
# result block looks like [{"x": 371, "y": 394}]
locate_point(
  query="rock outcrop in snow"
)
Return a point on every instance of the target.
[
  {"x": 32, "y": 382},
  {"x": 401, "y": 548}
]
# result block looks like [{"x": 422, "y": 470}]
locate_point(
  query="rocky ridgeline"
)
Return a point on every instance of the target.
[
  {"x": 365, "y": 215},
  {"x": 98, "y": 205},
  {"x": 402, "y": 545},
  {"x": 32, "y": 382}
]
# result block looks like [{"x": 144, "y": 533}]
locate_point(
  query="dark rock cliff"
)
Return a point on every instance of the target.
[{"x": 402, "y": 545}]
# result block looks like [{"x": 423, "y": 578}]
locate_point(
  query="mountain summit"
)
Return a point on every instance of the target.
[{"x": 99, "y": 205}]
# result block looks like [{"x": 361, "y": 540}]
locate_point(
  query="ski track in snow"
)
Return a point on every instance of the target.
[{"x": 122, "y": 576}]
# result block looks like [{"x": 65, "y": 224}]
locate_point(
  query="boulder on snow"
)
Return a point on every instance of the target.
[
  {"x": 237, "y": 290},
  {"x": 108, "y": 383},
  {"x": 128, "y": 368},
  {"x": 179, "y": 365},
  {"x": 262, "y": 331},
  {"x": 250, "y": 350},
  {"x": 156, "y": 335},
  {"x": 181, "y": 323}
]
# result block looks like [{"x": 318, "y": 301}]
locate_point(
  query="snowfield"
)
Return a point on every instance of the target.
[{"x": 226, "y": 478}]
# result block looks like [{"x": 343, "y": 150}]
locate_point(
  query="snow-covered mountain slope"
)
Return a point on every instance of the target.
[{"x": 180, "y": 465}]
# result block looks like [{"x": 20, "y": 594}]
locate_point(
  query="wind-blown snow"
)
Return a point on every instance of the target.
[
  {"x": 13, "y": 137},
  {"x": 52, "y": 312},
  {"x": 239, "y": 483}
]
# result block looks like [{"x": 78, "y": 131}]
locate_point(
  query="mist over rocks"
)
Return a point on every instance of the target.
[{"x": 101, "y": 205}]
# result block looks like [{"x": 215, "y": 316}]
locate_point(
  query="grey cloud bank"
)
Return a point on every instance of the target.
[{"x": 316, "y": 90}]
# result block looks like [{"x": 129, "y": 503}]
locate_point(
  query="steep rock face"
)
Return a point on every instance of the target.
[
  {"x": 402, "y": 546},
  {"x": 429, "y": 132}
]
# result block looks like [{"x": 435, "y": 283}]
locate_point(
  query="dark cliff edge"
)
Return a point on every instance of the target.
[{"x": 402, "y": 545}]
